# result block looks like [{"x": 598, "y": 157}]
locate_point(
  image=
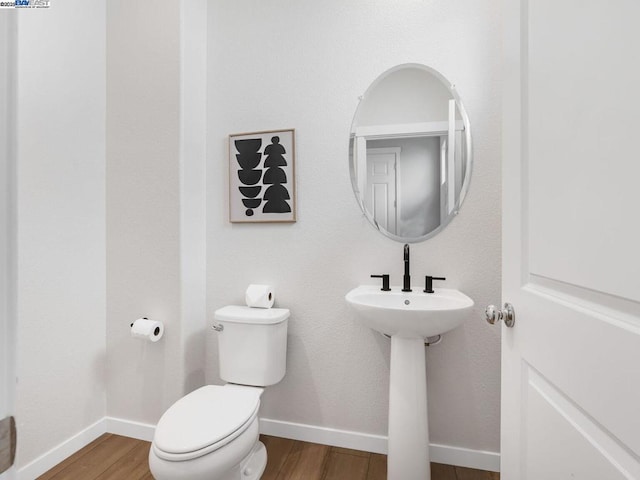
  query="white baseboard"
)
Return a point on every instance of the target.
[
  {"x": 324, "y": 436},
  {"x": 57, "y": 454},
  {"x": 464, "y": 457},
  {"x": 297, "y": 431},
  {"x": 448, "y": 455},
  {"x": 129, "y": 428}
]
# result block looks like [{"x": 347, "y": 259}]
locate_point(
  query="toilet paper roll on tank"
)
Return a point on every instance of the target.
[{"x": 259, "y": 296}]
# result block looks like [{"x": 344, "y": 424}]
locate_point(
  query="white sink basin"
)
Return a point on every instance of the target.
[{"x": 410, "y": 314}]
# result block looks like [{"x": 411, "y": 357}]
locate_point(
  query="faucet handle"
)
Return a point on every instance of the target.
[
  {"x": 385, "y": 281},
  {"x": 428, "y": 283}
]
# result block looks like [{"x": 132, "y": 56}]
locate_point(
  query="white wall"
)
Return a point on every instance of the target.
[
  {"x": 407, "y": 95},
  {"x": 7, "y": 215},
  {"x": 155, "y": 202},
  {"x": 193, "y": 189},
  {"x": 284, "y": 64},
  {"x": 143, "y": 223},
  {"x": 8, "y": 232},
  {"x": 119, "y": 187},
  {"x": 61, "y": 228}
]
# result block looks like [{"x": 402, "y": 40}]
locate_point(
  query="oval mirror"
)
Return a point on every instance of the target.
[{"x": 410, "y": 153}]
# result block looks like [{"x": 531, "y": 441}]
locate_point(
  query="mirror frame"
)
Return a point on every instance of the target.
[{"x": 468, "y": 160}]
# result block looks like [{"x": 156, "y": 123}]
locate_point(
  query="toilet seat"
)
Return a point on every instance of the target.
[{"x": 205, "y": 420}]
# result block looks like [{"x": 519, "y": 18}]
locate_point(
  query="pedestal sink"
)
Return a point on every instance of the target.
[{"x": 409, "y": 318}]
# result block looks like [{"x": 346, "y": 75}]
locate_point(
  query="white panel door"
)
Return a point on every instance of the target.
[
  {"x": 571, "y": 240},
  {"x": 381, "y": 196}
]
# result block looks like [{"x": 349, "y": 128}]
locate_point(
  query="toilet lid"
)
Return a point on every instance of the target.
[
  {"x": 250, "y": 315},
  {"x": 204, "y": 417}
]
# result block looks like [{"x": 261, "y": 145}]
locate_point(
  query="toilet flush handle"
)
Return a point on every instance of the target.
[{"x": 218, "y": 327}]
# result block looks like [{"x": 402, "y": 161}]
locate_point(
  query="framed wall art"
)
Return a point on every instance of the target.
[{"x": 262, "y": 177}]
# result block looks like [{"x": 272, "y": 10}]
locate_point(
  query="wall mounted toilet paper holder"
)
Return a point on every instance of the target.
[{"x": 156, "y": 331}]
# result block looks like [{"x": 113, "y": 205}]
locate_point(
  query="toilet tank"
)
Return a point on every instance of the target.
[{"x": 252, "y": 346}]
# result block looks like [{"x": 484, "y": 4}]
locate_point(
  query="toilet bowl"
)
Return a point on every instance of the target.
[{"x": 212, "y": 433}]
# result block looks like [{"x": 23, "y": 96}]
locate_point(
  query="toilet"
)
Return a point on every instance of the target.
[{"x": 212, "y": 433}]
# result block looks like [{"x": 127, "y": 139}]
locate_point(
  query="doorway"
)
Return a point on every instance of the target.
[{"x": 7, "y": 242}]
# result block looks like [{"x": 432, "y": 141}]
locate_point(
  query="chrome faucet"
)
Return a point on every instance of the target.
[{"x": 406, "y": 279}]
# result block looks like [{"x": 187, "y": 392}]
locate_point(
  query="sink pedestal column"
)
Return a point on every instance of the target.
[{"x": 408, "y": 457}]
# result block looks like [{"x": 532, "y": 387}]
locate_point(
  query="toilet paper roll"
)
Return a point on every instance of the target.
[
  {"x": 147, "y": 329},
  {"x": 259, "y": 296}
]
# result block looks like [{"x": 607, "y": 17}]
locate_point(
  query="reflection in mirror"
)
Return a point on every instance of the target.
[{"x": 410, "y": 153}]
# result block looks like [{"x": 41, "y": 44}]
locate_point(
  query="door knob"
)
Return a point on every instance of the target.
[{"x": 507, "y": 314}]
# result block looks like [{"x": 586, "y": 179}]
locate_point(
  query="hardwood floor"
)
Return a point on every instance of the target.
[{"x": 112, "y": 457}]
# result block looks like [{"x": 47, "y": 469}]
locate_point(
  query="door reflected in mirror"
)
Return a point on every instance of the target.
[{"x": 410, "y": 153}]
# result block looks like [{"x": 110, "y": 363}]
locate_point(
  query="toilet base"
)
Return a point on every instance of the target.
[{"x": 252, "y": 467}]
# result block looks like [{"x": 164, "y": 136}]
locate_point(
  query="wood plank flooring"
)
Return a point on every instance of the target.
[{"x": 112, "y": 457}]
